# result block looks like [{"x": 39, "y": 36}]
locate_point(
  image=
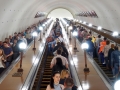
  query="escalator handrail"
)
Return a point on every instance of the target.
[
  {"x": 70, "y": 57},
  {"x": 43, "y": 68},
  {"x": 33, "y": 71},
  {"x": 31, "y": 76},
  {"x": 114, "y": 39}
]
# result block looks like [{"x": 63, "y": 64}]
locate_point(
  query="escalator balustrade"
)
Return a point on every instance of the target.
[
  {"x": 44, "y": 74},
  {"x": 106, "y": 71}
]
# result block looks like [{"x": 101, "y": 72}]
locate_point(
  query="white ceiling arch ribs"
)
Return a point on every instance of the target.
[
  {"x": 16, "y": 15},
  {"x": 106, "y": 12},
  {"x": 56, "y": 5}
]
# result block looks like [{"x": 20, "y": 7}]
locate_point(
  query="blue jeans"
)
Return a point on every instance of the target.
[
  {"x": 106, "y": 61},
  {"x": 50, "y": 44},
  {"x": 50, "y": 49},
  {"x": 101, "y": 56},
  {"x": 7, "y": 64},
  {"x": 115, "y": 69},
  {"x": 97, "y": 49}
]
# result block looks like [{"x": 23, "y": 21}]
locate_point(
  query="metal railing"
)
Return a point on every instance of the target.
[{"x": 34, "y": 69}]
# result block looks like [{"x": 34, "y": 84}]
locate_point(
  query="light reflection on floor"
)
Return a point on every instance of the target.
[
  {"x": 75, "y": 60},
  {"x": 70, "y": 48},
  {"x": 85, "y": 85},
  {"x": 33, "y": 59}
]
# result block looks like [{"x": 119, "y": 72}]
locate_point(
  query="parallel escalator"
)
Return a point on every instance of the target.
[
  {"x": 44, "y": 73},
  {"x": 47, "y": 74},
  {"x": 106, "y": 71}
]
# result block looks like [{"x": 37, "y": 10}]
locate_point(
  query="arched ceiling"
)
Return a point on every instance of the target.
[
  {"x": 60, "y": 13},
  {"x": 16, "y": 15}
]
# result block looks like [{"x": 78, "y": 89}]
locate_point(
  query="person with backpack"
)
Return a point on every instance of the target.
[
  {"x": 59, "y": 66},
  {"x": 61, "y": 46},
  {"x": 54, "y": 60}
]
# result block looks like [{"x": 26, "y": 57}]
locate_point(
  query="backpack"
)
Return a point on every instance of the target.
[{"x": 57, "y": 68}]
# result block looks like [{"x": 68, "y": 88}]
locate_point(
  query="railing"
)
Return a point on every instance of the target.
[
  {"x": 72, "y": 67},
  {"x": 33, "y": 71},
  {"x": 109, "y": 36}
]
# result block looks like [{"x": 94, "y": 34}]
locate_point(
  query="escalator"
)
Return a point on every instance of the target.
[
  {"x": 43, "y": 76},
  {"x": 47, "y": 74},
  {"x": 107, "y": 72}
]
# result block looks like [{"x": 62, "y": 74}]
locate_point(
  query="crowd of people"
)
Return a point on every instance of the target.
[
  {"x": 107, "y": 53},
  {"x": 61, "y": 78},
  {"x": 9, "y": 48}
]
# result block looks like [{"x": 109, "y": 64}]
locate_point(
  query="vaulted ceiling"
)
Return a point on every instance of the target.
[{"x": 17, "y": 15}]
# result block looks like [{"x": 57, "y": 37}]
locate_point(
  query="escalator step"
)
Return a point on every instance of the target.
[
  {"x": 48, "y": 70},
  {"x": 45, "y": 82},
  {"x": 36, "y": 79},
  {"x": 34, "y": 86},
  {"x": 47, "y": 73},
  {"x": 48, "y": 64},
  {"x": 109, "y": 75},
  {"x": 46, "y": 79},
  {"x": 112, "y": 79},
  {"x": 46, "y": 76},
  {"x": 44, "y": 85},
  {"x": 106, "y": 71},
  {"x": 47, "y": 67},
  {"x": 109, "y": 72},
  {"x": 42, "y": 88},
  {"x": 49, "y": 59}
]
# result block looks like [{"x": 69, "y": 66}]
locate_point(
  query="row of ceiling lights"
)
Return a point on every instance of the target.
[{"x": 98, "y": 28}]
